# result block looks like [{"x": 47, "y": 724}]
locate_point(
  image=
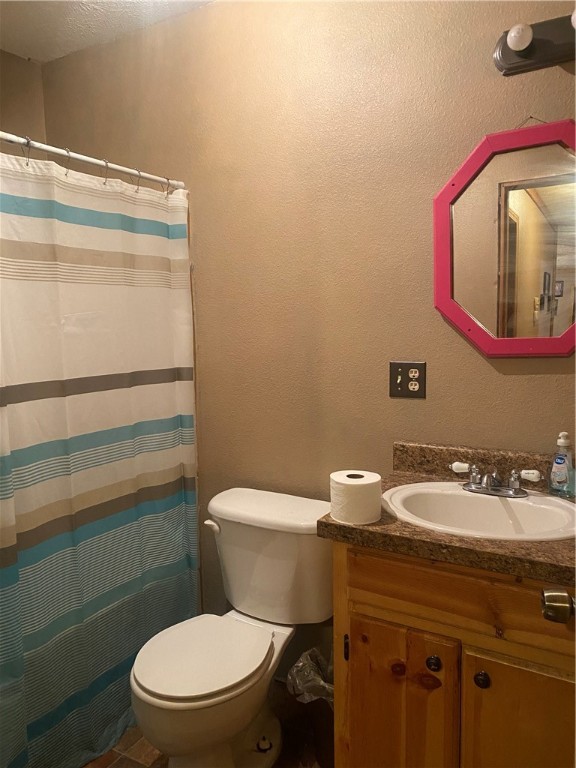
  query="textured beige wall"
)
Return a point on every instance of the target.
[
  {"x": 21, "y": 99},
  {"x": 313, "y": 137}
]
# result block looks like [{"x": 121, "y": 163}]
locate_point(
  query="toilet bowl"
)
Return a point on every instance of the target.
[
  {"x": 200, "y": 683},
  {"x": 199, "y": 688}
]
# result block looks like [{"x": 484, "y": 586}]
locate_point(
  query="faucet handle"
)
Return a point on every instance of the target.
[
  {"x": 459, "y": 467},
  {"x": 514, "y": 480},
  {"x": 530, "y": 474}
]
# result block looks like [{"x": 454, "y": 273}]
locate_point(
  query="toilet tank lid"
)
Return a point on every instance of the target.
[{"x": 266, "y": 509}]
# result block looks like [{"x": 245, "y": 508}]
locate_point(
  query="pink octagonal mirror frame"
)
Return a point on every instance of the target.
[{"x": 561, "y": 132}]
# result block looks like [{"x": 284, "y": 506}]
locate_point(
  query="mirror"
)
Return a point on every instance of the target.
[{"x": 505, "y": 243}]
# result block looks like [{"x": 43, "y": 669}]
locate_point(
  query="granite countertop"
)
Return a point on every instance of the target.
[{"x": 551, "y": 561}]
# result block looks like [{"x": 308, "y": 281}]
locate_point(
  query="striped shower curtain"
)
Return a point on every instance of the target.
[{"x": 98, "y": 527}]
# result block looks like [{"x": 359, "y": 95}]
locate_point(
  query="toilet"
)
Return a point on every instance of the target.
[{"x": 200, "y": 687}]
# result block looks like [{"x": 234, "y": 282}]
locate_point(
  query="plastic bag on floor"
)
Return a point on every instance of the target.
[{"x": 312, "y": 678}]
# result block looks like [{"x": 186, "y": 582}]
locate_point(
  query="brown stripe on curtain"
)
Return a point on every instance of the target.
[
  {"x": 41, "y": 390},
  {"x": 79, "y": 517}
]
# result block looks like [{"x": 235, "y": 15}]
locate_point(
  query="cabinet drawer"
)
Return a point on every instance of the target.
[{"x": 493, "y": 605}]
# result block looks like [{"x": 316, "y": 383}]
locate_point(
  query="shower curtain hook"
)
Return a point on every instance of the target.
[
  {"x": 68, "y": 166},
  {"x": 167, "y": 187},
  {"x": 139, "y": 177},
  {"x": 28, "y": 142},
  {"x": 106, "y": 172}
]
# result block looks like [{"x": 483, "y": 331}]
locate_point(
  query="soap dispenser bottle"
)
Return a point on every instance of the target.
[{"x": 562, "y": 470}]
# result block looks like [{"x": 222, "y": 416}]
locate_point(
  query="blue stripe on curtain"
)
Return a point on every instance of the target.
[
  {"x": 24, "y": 456},
  {"x": 153, "y": 602},
  {"x": 54, "y": 545},
  {"x": 99, "y": 535},
  {"x": 69, "y": 214},
  {"x": 24, "y": 467},
  {"x": 79, "y": 699}
]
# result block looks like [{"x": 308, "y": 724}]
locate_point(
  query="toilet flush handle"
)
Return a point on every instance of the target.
[{"x": 212, "y": 524}]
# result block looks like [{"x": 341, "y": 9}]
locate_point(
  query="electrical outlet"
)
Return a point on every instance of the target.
[{"x": 408, "y": 380}]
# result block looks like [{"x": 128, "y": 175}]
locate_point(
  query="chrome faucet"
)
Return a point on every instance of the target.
[{"x": 491, "y": 484}]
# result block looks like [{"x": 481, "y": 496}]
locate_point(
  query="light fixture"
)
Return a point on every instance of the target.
[
  {"x": 525, "y": 47},
  {"x": 519, "y": 37}
]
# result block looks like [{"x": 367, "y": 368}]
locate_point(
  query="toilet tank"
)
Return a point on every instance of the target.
[{"x": 274, "y": 566}]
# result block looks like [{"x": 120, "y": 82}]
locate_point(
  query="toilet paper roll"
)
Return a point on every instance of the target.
[{"x": 355, "y": 496}]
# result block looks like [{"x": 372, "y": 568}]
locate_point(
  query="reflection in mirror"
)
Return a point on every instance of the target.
[
  {"x": 536, "y": 258},
  {"x": 514, "y": 244}
]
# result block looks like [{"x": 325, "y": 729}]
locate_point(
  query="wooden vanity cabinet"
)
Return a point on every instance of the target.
[{"x": 443, "y": 666}]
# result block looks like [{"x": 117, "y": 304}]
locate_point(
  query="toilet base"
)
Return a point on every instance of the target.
[
  {"x": 218, "y": 756},
  {"x": 258, "y": 746}
]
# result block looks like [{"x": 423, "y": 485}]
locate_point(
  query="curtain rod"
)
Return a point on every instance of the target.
[{"x": 29, "y": 144}]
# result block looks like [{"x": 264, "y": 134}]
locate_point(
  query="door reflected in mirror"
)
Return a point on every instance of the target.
[
  {"x": 514, "y": 243},
  {"x": 537, "y": 257}
]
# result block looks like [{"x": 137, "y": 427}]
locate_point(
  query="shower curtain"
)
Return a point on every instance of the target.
[{"x": 98, "y": 525}]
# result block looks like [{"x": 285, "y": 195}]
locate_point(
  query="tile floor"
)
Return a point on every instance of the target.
[
  {"x": 132, "y": 751},
  {"x": 307, "y": 738}
]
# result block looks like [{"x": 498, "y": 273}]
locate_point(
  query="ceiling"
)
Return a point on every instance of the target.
[
  {"x": 558, "y": 200},
  {"x": 43, "y": 30}
]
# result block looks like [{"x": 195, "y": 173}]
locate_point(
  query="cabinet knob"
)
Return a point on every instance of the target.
[
  {"x": 482, "y": 679},
  {"x": 557, "y": 605},
  {"x": 434, "y": 663}
]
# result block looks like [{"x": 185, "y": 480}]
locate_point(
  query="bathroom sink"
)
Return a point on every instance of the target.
[{"x": 448, "y": 508}]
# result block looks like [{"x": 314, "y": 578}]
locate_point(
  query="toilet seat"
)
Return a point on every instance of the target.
[{"x": 203, "y": 657}]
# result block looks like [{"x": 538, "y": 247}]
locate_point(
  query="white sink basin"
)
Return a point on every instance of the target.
[{"x": 448, "y": 508}]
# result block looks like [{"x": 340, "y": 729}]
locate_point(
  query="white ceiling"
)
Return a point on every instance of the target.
[{"x": 43, "y": 30}]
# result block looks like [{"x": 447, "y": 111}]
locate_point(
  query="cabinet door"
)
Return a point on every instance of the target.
[
  {"x": 399, "y": 712},
  {"x": 523, "y": 717}
]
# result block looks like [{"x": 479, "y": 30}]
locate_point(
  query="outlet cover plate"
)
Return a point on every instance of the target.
[{"x": 408, "y": 380}]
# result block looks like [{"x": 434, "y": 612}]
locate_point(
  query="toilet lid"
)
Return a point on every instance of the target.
[{"x": 201, "y": 657}]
